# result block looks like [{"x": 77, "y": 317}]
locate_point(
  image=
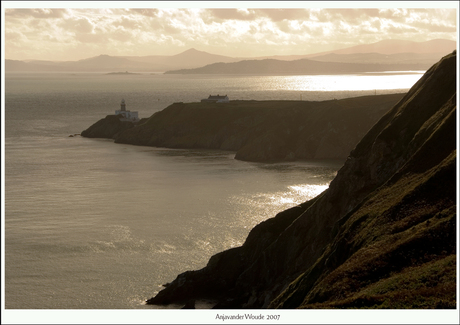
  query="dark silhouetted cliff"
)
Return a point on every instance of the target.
[{"x": 383, "y": 235}]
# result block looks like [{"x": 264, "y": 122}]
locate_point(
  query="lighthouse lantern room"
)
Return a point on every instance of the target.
[{"x": 127, "y": 115}]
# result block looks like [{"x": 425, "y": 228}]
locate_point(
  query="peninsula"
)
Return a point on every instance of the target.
[
  {"x": 296, "y": 67},
  {"x": 255, "y": 130}
]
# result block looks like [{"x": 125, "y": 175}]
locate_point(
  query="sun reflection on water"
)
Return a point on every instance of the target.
[
  {"x": 266, "y": 205},
  {"x": 370, "y": 81},
  {"x": 296, "y": 195}
]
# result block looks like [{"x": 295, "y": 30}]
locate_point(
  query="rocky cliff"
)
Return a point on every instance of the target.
[
  {"x": 109, "y": 127},
  {"x": 257, "y": 130},
  {"x": 383, "y": 235}
]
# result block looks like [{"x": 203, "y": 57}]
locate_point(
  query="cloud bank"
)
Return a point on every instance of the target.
[{"x": 73, "y": 34}]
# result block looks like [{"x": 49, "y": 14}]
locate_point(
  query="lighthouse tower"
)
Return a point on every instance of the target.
[{"x": 127, "y": 115}]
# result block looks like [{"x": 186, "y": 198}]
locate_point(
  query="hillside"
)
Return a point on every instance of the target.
[
  {"x": 257, "y": 130},
  {"x": 383, "y": 235}
]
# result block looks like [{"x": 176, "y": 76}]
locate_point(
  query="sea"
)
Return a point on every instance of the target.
[{"x": 90, "y": 224}]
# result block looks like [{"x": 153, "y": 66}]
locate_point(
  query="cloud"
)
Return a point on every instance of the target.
[
  {"x": 87, "y": 38},
  {"x": 277, "y": 15},
  {"x": 351, "y": 15},
  {"x": 35, "y": 13},
  {"x": 399, "y": 29},
  {"x": 77, "y": 25},
  {"x": 128, "y": 22},
  {"x": 144, "y": 12},
  {"x": 219, "y": 15}
]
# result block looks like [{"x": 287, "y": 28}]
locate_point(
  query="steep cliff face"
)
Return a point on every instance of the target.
[
  {"x": 382, "y": 235},
  {"x": 264, "y": 130}
]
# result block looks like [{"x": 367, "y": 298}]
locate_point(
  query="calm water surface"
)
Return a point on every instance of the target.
[{"x": 90, "y": 224}]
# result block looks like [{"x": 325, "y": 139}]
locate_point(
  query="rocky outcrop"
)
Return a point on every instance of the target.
[
  {"x": 109, "y": 127},
  {"x": 382, "y": 236},
  {"x": 257, "y": 130}
]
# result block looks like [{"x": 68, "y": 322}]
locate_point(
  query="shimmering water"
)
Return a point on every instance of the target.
[{"x": 90, "y": 224}]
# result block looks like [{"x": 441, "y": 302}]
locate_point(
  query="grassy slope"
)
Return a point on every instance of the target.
[{"x": 399, "y": 249}]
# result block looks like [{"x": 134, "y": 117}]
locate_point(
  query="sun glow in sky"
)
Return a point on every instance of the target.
[{"x": 77, "y": 30}]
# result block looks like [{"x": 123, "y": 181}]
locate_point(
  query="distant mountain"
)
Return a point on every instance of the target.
[
  {"x": 105, "y": 63},
  {"x": 439, "y": 46},
  {"x": 402, "y": 46},
  {"x": 101, "y": 63},
  {"x": 303, "y": 66},
  {"x": 379, "y": 58},
  {"x": 16, "y": 65},
  {"x": 191, "y": 58},
  {"x": 416, "y": 52}
]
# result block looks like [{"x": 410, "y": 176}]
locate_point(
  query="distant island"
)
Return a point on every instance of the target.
[{"x": 122, "y": 73}]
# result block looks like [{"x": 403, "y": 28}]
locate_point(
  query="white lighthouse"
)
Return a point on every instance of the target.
[{"x": 127, "y": 115}]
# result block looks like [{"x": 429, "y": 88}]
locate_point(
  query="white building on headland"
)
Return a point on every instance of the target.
[
  {"x": 127, "y": 115},
  {"x": 216, "y": 99}
]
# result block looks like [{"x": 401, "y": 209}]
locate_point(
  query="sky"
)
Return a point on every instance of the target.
[{"x": 69, "y": 31}]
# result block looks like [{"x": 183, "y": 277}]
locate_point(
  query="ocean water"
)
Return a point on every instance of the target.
[{"x": 90, "y": 224}]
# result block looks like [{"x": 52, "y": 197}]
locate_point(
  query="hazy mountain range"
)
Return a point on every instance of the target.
[
  {"x": 302, "y": 67},
  {"x": 415, "y": 55}
]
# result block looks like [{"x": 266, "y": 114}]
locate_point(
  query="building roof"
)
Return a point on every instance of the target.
[{"x": 217, "y": 97}]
